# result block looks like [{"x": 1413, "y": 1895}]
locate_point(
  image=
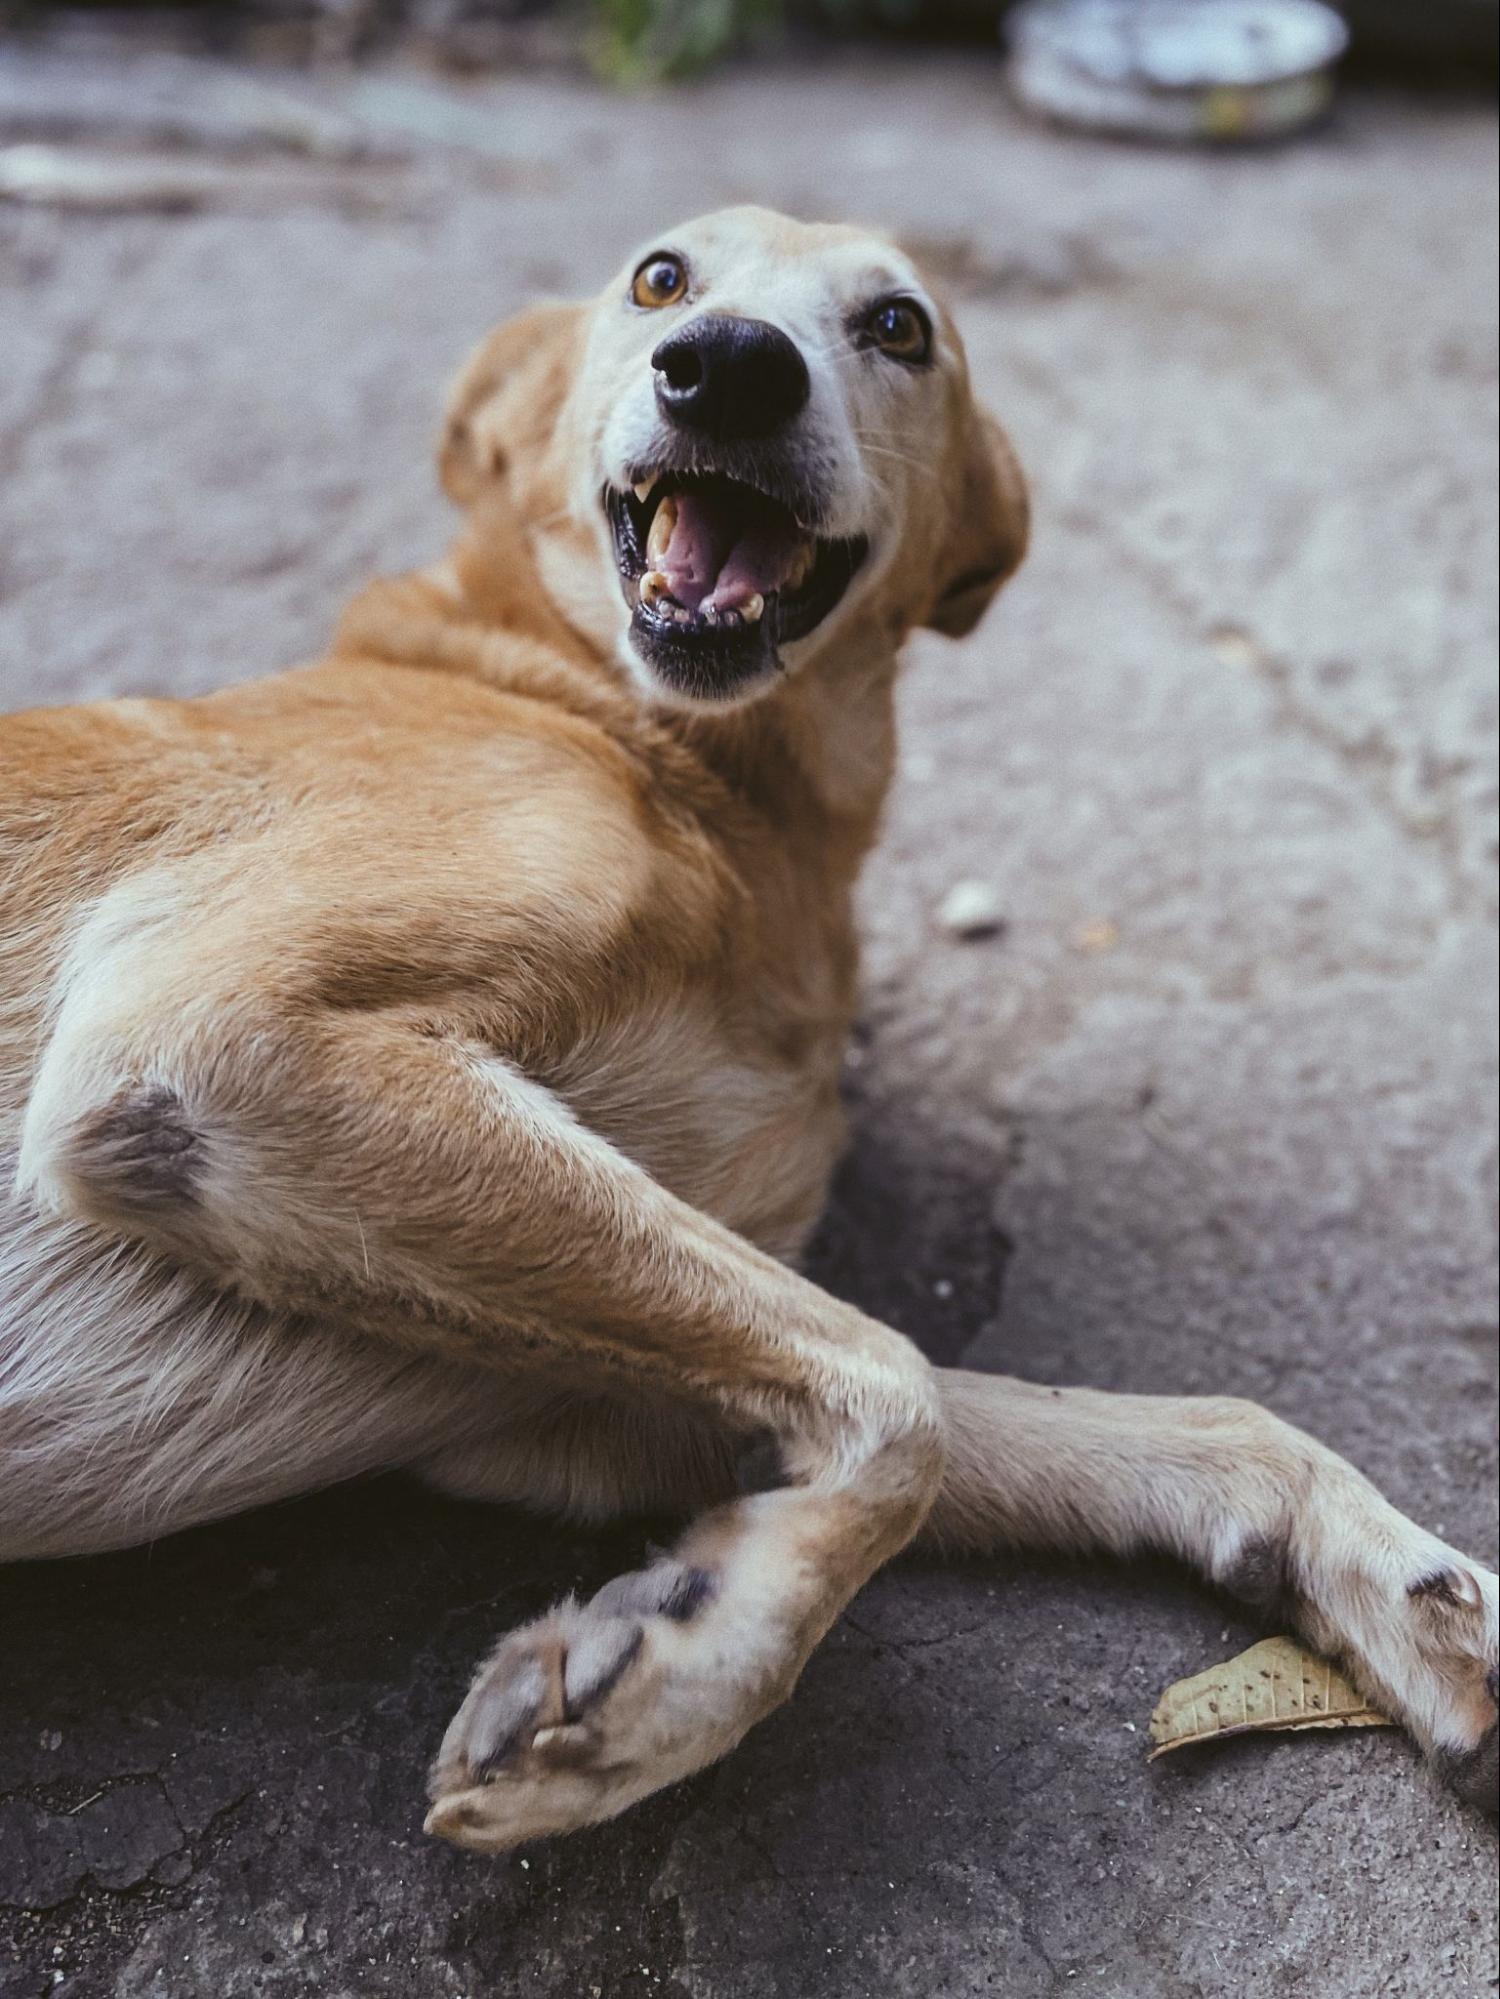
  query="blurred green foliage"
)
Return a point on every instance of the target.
[
  {"x": 641, "y": 41},
  {"x": 645, "y": 41}
]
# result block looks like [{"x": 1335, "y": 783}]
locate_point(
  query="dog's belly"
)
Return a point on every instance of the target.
[{"x": 135, "y": 1401}]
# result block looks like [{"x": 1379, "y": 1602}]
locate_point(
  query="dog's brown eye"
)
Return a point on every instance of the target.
[
  {"x": 900, "y": 328},
  {"x": 661, "y": 280}
]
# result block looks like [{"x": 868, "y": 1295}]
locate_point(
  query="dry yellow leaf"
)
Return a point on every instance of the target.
[
  {"x": 1096, "y": 937},
  {"x": 1274, "y": 1685}
]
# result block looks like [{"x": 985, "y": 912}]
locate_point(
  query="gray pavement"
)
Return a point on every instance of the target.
[{"x": 1215, "y": 1110}]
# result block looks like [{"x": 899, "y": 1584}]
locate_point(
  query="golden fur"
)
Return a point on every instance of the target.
[{"x": 430, "y": 1057}]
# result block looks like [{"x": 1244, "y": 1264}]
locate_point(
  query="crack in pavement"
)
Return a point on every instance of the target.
[{"x": 1369, "y": 758}]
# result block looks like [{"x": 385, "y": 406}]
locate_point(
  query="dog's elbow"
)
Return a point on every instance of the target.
[{"x": 129, "y": 1160}]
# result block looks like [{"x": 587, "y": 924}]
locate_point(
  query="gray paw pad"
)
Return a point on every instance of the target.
[
  {"x": 1447, "y": 1586},
  {"x": 598, "y": 1657},
  {"x": 669, "y": 1589},
  {"x": 1260, "y": 1576},
  {"x": 503, "y": 1713}
]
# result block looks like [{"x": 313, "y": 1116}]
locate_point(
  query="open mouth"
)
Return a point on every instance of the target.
[{"x": 719, "y": 576}]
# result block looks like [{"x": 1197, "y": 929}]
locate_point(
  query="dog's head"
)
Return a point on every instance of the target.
[{"x": 760, "y": 441}]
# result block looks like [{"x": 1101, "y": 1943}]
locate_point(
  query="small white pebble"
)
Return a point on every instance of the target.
[{"x": 971, "y": 909}]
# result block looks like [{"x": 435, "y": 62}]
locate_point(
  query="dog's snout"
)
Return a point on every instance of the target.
[{"x": 730, "y": 377}]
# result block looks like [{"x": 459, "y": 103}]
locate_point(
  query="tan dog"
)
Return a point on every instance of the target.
[{"x": 430, "y": 1057}]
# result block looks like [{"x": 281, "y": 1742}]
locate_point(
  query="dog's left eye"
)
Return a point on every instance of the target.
[
  {"x": 660, "y": 281},
  {"x": 900, "y": 328}
]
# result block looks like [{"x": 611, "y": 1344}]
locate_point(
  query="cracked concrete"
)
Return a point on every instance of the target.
[{"x": 1214, "y": 1111}]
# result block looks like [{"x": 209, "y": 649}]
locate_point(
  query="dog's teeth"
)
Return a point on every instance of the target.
[
  {"x": 644, "y": 490},
  {"x": 663, "y": 526},
  {"x": 801, "y": 568},
  {"x": 752, "y": 607},
  {"x": 654, "y": 587}
]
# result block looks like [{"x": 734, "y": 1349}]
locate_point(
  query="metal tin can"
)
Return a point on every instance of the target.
[{"x": 1176, "y": 69}]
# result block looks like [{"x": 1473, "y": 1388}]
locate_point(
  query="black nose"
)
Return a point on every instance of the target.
[{"x": 729, "y": 377}]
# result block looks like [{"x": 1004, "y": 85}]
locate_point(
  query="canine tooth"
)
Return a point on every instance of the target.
[
  {"x": 654, "y": 587},
  {"x": 644, "y": 490},
  {"x": 662, "y": 526},
  {"x": 752, "y": 607},
  {"x": 801, "y": 568}
]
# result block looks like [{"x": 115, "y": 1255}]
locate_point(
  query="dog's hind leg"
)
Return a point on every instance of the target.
[{"x": 1260, "y": 1508}]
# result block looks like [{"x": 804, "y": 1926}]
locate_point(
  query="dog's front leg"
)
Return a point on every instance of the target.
[{"x": 350, "y": 1166}]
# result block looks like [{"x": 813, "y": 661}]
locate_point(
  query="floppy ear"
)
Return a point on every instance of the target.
[
  {"x": 987, "y": 530},
  {"x": 503, "y": 408}
]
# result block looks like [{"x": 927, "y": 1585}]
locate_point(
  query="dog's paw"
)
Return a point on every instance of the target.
[
  {"x": 589, "y": 1709},
  {"x": 1419, "y": 1628},
  {"x": 1457, "y": 1608},
  {"x": 1474, "y": 1773}
]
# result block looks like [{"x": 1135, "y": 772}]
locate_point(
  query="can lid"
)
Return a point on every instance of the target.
[{"x": 1180, "y": 44}]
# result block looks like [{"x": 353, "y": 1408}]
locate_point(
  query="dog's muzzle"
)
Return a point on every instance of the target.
[
  {"x": 716, "y": 534},
  {"x": 726, "y": 377}
]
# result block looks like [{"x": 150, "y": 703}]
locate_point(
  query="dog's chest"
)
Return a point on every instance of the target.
[{"x": 744, "y": 1131}]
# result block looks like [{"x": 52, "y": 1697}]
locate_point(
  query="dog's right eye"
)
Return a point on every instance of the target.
[{"x": 660, "y": 280}]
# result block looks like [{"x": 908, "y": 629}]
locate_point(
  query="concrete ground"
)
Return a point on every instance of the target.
[{"x": 1214, "y": 1111}]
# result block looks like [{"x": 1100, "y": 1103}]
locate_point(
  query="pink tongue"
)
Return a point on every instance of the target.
[{"x": 720, "y": 553}]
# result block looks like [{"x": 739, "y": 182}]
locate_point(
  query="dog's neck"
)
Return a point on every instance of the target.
[
  {"x": 833, "y": 722},
  {"x": 813, "y": 756}
]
